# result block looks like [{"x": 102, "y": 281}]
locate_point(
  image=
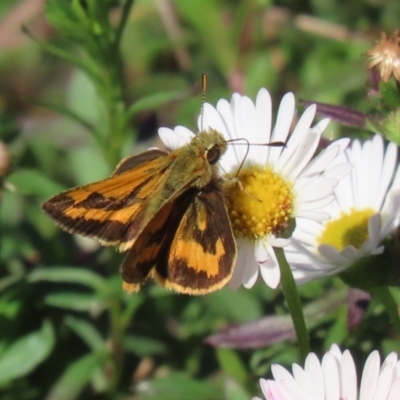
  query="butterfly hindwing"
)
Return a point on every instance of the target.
[
  {"x": 188, "y": 246},
  {"x": 202, "y": 254}
]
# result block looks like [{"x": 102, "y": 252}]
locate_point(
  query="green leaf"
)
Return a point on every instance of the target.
[
  {"x": 240, "y": 305},
  {"x": 180, "y": 387},
  {"x": 25, "y": 354},
  {"x": 207, "y": 19},
  {"x": 144, "y": 346},
  {"x": 76, "y": 377},
  {"x": 87, "y": 165},
  {"x": 152, "y": 102},
  {"x": 86, "y": 331},
  {"x": 232, "y": 364},
  {"x": 75, "y": 301},
  {"x": 67, "y": 113},
  {"x": 69, "y": 19},
  {"x": 33, "y": 183},
  {"x": 69, "y": 275},
  {"x": 233, "y": 391}
]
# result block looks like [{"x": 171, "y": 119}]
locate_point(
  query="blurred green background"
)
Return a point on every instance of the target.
[{"x": 79, "y": 90}]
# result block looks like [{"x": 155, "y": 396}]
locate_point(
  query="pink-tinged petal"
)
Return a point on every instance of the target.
[
  {"x": 330, "y": 369},
  {"x": 394, "y": 391},
  {"x": 303, "y": 380},
  {"x": 281, "y": 374},
  {"x": 370, "y": 376},
  {"x": 348, "y": 377},
  {"x": 314, "y": 371},
  {"x": 273, "y": 390},
  {"x": 391, "y": 360},
  {"x": 385, "y": 380}
]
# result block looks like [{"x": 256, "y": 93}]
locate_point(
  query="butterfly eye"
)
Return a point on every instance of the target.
[{"x": 213, "y": 154}]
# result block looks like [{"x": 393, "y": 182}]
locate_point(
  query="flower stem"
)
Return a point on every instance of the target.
[
  {"x": 385, "y": 297},
  {"x": 293, "y": 301}
]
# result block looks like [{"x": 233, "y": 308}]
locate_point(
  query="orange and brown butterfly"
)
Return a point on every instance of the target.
[{"x": 167, "y": 209}]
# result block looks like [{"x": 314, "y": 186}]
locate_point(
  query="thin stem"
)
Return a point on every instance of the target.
[
  {"x": 293, "y": 301},
  {"x": 116, "y": 346},
  {"x": 125, "y": 14}
]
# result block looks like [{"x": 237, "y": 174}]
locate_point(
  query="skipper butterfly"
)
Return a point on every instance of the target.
[{"x": 167, "y": 209}]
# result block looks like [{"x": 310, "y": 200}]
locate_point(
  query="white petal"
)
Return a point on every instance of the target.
[
  {"x": 348, "y": 376},
  {"x": 331, "y": 377},
  {"x": 395, "y": 390},
  {"x": 270, "y": 271},
  {"x": 263, "y": 124},
  {"x": 323, "y": 159},
  {"x": 176, "y": 138},
  {"x": 370, "y": 376},
  {"x": 283, "y": 122},
  {"x": 211, "y": 119}
]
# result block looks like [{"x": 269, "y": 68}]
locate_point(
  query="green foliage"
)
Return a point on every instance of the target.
[{"x": 90, "y": 86}]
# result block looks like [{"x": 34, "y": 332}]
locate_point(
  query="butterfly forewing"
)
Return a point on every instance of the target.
[{"x": 104, "y": 210}]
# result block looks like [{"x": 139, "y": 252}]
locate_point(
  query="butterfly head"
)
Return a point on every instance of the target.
[{"x": 214, "y": 145}]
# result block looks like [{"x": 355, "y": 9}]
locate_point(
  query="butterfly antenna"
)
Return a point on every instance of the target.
[{"x": 203, "y": 98}]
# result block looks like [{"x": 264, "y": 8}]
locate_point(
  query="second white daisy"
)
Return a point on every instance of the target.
[{"x": 365, "y": 211}]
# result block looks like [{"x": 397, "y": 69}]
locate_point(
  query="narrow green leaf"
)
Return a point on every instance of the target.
[
  {"x": 75, "y": 378},
  {"x": 180, "y": 387},
  {"x": 232, "y": 364},
  {"x": 153, "y": 101},
  {"x": 67, "y": 113},
  {"x": 144, "y": 346},
  {"x": 33, "y": 183},
  {"x": 233, "y": 391},
  {"x": 206, "y": 17},
  {"x": 86, "y": 331},
  {"x": 59, "y": 52},
  {"x": 25, "y": 354},
  {"x": 69, "y": 275},
  {"x": 75, "y": 301}
]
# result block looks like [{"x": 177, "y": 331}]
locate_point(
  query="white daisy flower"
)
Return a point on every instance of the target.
[
  {"x": 274, "y": 184},
  {"x": 366, "y": 210},
  {"x": 335, "y": 379}
]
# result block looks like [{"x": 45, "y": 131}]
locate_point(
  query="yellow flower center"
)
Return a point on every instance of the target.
[
  {"x": 259, "y": 202},
  {"x": 349, "y": 229}
]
